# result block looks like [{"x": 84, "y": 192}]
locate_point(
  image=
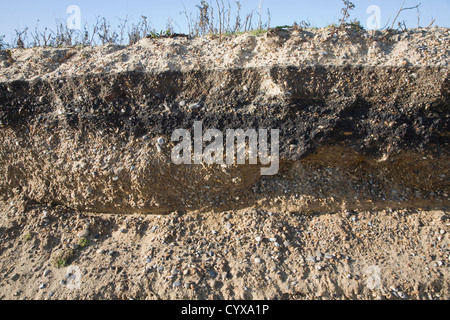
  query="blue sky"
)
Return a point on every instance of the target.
[{"x": 17, "y": 14}]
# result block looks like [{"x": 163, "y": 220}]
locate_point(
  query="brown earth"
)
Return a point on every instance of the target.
[{"x": 359, "y": 208}]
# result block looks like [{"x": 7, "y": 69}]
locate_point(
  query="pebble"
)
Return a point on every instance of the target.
[
  {"x": 46, "y": 273},
  {"x": 182, "y": 103},
  {"x": 195, "y": 106},
  {"x": 83, "y": 234},
  {"x": 160, "y": 269},
  {"x": 212, "y": 274},
  {"x": 15, "y": 276},
  {"x": 42, "y": 286},
  {"x": 228, "y": 226},
  {"x": 177, "y": 284},
  {"x": 258, "y": 239},
  {"x": 311, "y": 259},
  {"x": 62, "y": 282},
  {"x": 257, "y": 260},
  {"x": 161, "y": 141},
  {"x": 51, "y": 294}
]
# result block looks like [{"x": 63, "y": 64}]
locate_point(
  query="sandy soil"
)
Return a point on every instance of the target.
[
  {"x": 294, "y": 48},
  {"x": 247, "y": 254},
  {"x": 266, "y": 248}
]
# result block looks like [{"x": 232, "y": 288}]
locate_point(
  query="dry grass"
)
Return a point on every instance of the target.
[{"x": 212, "y": 17}]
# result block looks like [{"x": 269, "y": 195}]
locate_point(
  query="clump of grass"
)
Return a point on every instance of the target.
[
  {"x": 27, "y": 237},
  {"x": 83, "y": 243},
  {"x": 344, "y": 22},
  {"x": 356, "y": 26},
  {"x": 62, "y": 258}
]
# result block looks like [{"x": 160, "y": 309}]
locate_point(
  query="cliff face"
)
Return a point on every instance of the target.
[
  {"x": 357, "y": 210},
  {"x": 365, "y": 129}
]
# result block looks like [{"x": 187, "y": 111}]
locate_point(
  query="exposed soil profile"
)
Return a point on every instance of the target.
[{"x": 358, "y": 208}]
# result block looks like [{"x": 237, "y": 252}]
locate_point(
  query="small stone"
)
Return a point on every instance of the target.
[
  {"x": 257, "y": 260},
  {"x": 46, "y": 273},
  {"x": 212, "y": 274},
  {"x": 51, "y": 294},
  {"x": 228, "y": 226},
  {"x": 42, "y": 286},
  {"x": 116, "y": 178},
  {"x": 122, "y": 230},
  {"x": 311, "y": 259},
  {"x": 149, "y": 260},
  {"x": 161, "y": 141},
  {"x": 401, "y": 295},
  {"x": 160, "y": 269},
  {"x": 15, "y": 276},
  {"x": 83, "y": 234},
  {"x": 195, "y": 106},
  {"x": 63, "y": 282},
  {"x": 182, "y": 103},
  {"x": 258, "y": 239},
  {"x": 177, "y": 284},
  {"x": 111, "y": 252}
]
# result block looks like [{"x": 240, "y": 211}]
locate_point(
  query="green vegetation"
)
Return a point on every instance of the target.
[
  {"x": 62, "y": 258},
  {"x": 213, "y": 17},
  {"x": 27, "y": 237},
  {"x": 83, "y": 243}
]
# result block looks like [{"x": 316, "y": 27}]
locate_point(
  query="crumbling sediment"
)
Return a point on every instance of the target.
[{"x": 89, "y": 142}]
